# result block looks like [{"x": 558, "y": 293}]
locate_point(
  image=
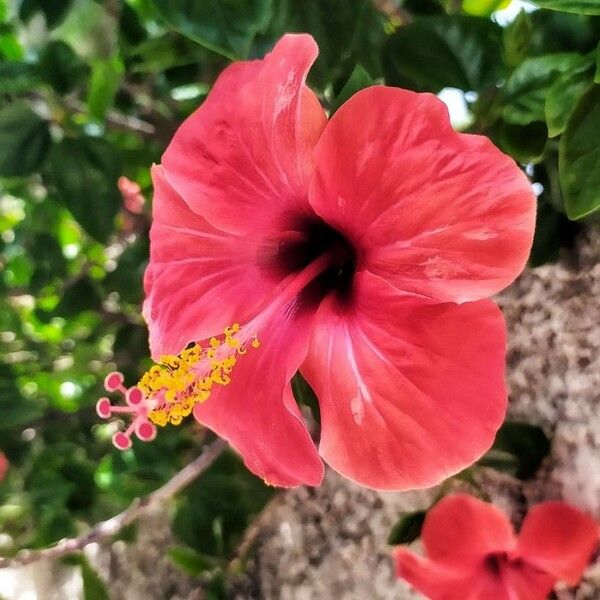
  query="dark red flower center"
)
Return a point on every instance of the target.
[
  {"x": 308, "y": 239},
  {"x": 495, "y": 562}
]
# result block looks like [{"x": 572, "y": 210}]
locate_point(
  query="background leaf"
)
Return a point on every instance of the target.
[
  {"x": 407, "y": 529},
  {"x": 437, "y": 52},
  {"x": 227, "y": 26},
  {"x": 579, "y": 157},
  {"x": 24, "y": 140},
  {"x": 85, "y": 172},
  {"x": 519, "y": 449},
  {"x": 584, "y": 7}
]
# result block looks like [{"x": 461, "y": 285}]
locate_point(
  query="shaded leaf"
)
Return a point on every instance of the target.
[
  {"x": 348, "y": 33},
  {"x": 305, "y": 396},
  {"x": 524, "y": 93},
  {"x": 407, "y": 529},
  {"x": 24, "y": 140},
  {"x": 437, "y": 52},
  {"x": 227, "y": 27},
  {"x": 564, "y": 94},
  {"x": 17, "y": 77},
  {"x": 215, "y": 510},
  {"x": 85, "y": 172},
  {"x": 191, "y": 562},
  {"x": 359, "y": 80},
  {"x": 54, "y": 11},
  {"x": 93, "y": 587},
  {"x": 516, "y": 39},
  {"x": 552, "y": 231},
  {"x": 519, "y": 449},
  {"x": 525, "y": 143},
  {"x": 60, "y": 66},
  {"x": 579, "y": 157}
]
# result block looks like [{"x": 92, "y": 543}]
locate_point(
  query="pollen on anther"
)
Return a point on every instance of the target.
[{"x": 168, "y": 391}]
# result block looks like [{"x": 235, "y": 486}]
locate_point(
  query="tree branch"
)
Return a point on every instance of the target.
[{"x": 115, "y": 524}]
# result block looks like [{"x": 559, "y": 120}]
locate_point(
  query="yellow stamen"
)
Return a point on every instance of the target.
[{"x": 178, "y": 383}]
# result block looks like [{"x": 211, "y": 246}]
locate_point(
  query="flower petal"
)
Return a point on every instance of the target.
[
  {"x": 527, "y": 582},
  {"x": 244, "y": 158},
  {"x": 199, "y": 279},
  {"x": 440, "y": 582},
  {"x": 461, "y": 530},
  {"x": 437, "y": 213},
  {"x": 257, "y": 413},
  {"x": 558, "y": 539},
  {"x": 410, "y": 392}
]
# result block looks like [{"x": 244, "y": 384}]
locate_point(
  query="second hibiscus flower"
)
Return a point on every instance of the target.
[{"x": 360, "y": 251}]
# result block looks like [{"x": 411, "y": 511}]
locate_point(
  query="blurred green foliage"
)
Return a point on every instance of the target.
[{"x": 92, "y": 90}]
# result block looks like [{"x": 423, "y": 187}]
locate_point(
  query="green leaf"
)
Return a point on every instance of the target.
[
  {"x": 519, "y": 449},
  {"x": 564, "y": 94},
  {"x": 93, "y": 587},
  {"x": 305, "y": 396},
  {"x": 348, "y": 33},
  {"x": 407, "y": 529},
  {"x": 17, "y": 77},
  {"x": 552, "y": 231},
  {"x": 227, "y": 26},
  {"x": 54, "y": 11},
  {"x": 524, "y": 93},
  {"x": 60, "y": 67},
  {"x": 525, "y": 143},
  {"x": 190, "y": 561},
  {"x": 483, "y": 8},
  {"x": 359, "y": 80},
  {"x": 104, "y": 85},
  {"x": 579, "y": 157},
  {"x": 214, "y": 511},
  {"x": 437, "y": 52},
  {"x": 85, "y": 172},
  {"x": 516, "y": 39},
  {"x": 582, "y": 7},
  {"x": 24, "y": 140},
  {"x": 597, "y": 74}
]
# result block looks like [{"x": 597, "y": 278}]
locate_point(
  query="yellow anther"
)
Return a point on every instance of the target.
[{"x": 176, "y": 384}]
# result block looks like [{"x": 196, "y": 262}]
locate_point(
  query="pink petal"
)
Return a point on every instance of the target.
[
  {"x": 437, "y": 213},
  {"x": 3, "y": 465},
  {"x": 410, "y": 392},
  {"x": 559, "y": 539},
  {"x": 244, "y": 159},
  {"x": 461, "y": 530},
  {"x": 257, "y": 413},
  {"x": 199, "y": 279},
  {"x": 440, "y": 582},
  {"x": 526, "y": 582}
]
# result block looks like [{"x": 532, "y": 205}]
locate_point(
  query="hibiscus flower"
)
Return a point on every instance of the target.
[
  {"x": 3, "y": 465},
  {"x": 360, "y": 250},
  {"x": 473, "y": 553}
]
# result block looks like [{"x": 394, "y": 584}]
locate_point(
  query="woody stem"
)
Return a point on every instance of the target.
[{"x": 138, "y": 507}]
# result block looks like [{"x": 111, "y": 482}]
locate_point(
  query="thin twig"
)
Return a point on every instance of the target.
[{"x": 115, "y": 524}]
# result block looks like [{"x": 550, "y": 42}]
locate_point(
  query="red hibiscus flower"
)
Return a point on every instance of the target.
[
  {"x": 360, "y": 251},
  {"x": 3, "y": 465},
  {"x": 473, "y": 553}
]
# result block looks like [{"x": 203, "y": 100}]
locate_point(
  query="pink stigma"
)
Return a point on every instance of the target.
[{"x": 134, "y": 406}]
